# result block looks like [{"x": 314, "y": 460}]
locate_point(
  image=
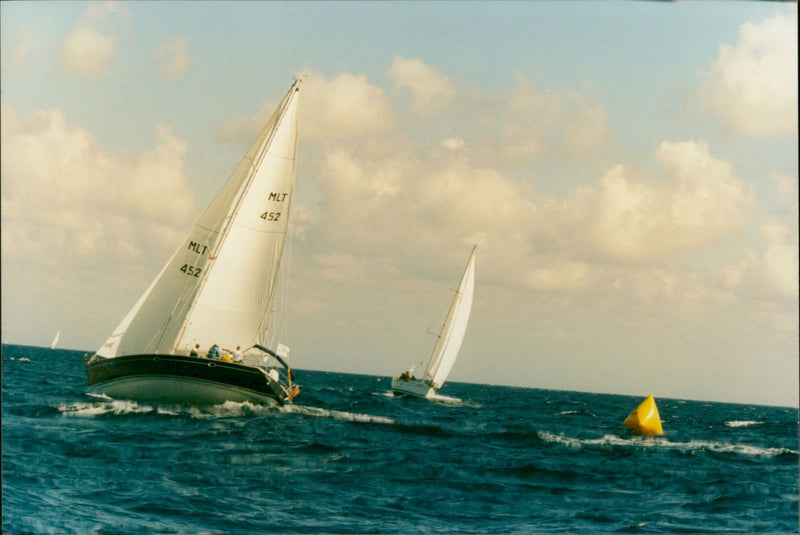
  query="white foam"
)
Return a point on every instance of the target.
[
  {"x": 336, "y": 415},
  {"x": 741, "y": 423},
  {"x": 661, "y": 442},
  {"x": 230, "y": 409},
  {"x": 445, "y": 399},
  {"x": 91, "y": 409},
  {"x": 106, "y": 405}
]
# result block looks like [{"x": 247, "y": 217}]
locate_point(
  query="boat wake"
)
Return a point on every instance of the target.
[
  {"x": 660, "y": 442},
  {"x": 316, "y": 412},
  {"x": 104, "y": 406},
  {"x": 437, "y": 398},
  {"x": 447, "y": 400},
  {"x": 91, "y": 409}
]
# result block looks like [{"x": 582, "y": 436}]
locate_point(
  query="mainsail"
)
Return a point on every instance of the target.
[
  {"x": 55, "y": 340},
  {"x": 220, "y": 284},
  {"x": 455, "y": 326}
]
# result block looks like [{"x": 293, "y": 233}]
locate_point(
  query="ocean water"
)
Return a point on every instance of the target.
[{"x": 350, "y": 458}]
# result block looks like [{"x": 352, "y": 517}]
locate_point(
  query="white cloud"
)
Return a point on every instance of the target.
[
  {"x": 526, "y": 122},
  {"x": 427, "y": 84},
  {"x": 452, "y": 143},
  {"x": 752, "y": 85},
  {"x": 699, "y": 200},
  {"x": 84, "y": 231},
  {"x": 63, "y": 197},
  {"x": 87, "y": 53},
  {"x": 558, "y": 276},
  {"x": 360, "y": 182},
  {"x": 344, "y": 107},
  {"x": 780, "y": 262},
  {"x": 786, "y": 188},
  {"x": 386, "y": 196},
  {"x": 769, "y": 271},
  {"x": 172, "y": 58},
  {"x": 88, "y": 49}
]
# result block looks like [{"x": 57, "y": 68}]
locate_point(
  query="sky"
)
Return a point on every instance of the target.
[{"x": 628, "y": 170}]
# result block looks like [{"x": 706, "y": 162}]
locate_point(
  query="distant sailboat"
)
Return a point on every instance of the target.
[
  {"x": 448, "y": 344},
  {"x": 181, "y": 342},
  {"x": 55, "y": 340},
  {"x": 645, "y": 419}
]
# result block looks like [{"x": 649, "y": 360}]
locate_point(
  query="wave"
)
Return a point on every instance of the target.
[
  {"x": 436, "y": 398},
  {"x": 229, "y": 409},
  {"x": 336, "y": 415},
  {"x": 105, "y": 406},
  {"x": 577, "y": 412},
  {"x": 742, "y": 423},
  {"x": 90, "y": 409},
  {"x": 661, "y": 442},
  {"x": 447, "y": 400},
  {"x": 117, "y": 407}
]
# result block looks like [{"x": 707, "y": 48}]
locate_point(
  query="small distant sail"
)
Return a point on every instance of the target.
[
  {"x": 645, "y": 419},
  {"x": 55, "y": 340}
]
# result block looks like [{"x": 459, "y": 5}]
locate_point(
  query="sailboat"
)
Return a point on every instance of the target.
[
  {"x": 55, "y": 339},
  {"x": 448, "y": 342},
  {"x": 199, "y": 333}
]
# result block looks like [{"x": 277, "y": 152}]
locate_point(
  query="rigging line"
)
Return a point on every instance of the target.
[
  {"x": 287, "y": 259},
  {"x": 279, "y": 316}
]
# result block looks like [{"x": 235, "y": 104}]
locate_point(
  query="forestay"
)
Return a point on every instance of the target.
[{"x": 219, "y": 286}]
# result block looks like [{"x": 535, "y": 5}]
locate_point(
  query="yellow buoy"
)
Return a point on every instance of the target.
[{"x": 645, "y": 420}]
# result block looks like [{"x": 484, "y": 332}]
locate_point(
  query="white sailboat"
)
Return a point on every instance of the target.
[
  {"x": 448, "y": 343},
  {"x": 55, "y": 340},
  {"x": 182, "y": 340}
]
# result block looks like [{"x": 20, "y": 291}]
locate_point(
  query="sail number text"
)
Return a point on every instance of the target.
[
  {"x": 191, "y": 270},
  {"x": 197, "y": 248},
  {"x": 274, "y": 197}
]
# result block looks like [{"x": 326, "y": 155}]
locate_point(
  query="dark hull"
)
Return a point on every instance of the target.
[{"x": 182, "y": 379}]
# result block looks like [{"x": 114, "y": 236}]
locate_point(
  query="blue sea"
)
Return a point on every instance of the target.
[{"x": 350, "y": 458}]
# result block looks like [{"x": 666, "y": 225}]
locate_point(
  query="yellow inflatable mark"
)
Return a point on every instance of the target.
[{"x": 645, "y": 419}]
